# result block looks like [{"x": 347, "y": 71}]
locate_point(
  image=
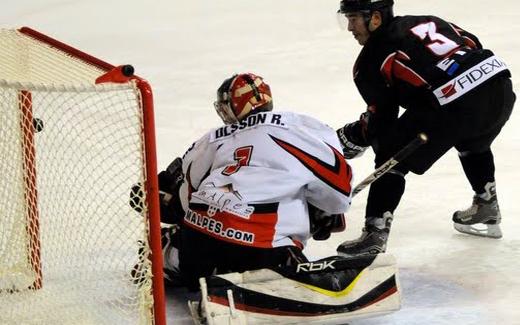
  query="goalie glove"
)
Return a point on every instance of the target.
[
  {"x": 136, "y": 198},
  {"x": 323, "y": 224},
  {"x": 170, "y": 181}
]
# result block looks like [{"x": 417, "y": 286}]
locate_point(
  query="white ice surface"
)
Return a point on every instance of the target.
[{"x": 186, "y": 48}]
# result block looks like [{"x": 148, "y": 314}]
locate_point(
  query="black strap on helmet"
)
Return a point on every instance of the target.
[
  {"x": 223, "y": 91},
  {"x": 251, "y": 83}
]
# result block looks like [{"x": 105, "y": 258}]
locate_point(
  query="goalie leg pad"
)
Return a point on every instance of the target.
[{"x": 329, "y": 291}]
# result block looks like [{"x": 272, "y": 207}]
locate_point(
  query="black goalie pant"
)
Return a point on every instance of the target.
[
  {"x": 201, "y": 255},
  {"x": 469, "y": 124}
]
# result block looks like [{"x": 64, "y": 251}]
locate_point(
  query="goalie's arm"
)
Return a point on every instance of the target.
[
  {"x": 170, "y": 180},
  {"x": 323, "y": 224}
]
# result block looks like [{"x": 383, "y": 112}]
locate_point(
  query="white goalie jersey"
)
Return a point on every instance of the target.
[{"x": 249, "y": 183}]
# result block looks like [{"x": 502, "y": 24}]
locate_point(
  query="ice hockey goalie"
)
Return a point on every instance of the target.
[{"x": 244, "y": 200}]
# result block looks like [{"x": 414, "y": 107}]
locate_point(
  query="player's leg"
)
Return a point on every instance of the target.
[
  {"x": 332, "y": 290},
  {"x": 198, "y": 256},
  {"x": 383, "y": 198},
  {"x": 386, "y": 192},
  {"x": 259, "y": 258},
  {"x": 201, "y": 256},
  {"x": 482, "y": 218}
]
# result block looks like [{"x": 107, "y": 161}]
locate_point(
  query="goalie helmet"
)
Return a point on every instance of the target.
[{"x": 242, "y": 95}]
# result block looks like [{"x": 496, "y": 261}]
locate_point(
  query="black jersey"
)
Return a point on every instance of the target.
[{"x": 413, "y": 62}]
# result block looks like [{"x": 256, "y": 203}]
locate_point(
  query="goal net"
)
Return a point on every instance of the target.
[{"x": 72, "y": 250}]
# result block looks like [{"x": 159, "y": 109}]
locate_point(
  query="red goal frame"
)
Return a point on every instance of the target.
[{"x": 151, "y": 184}]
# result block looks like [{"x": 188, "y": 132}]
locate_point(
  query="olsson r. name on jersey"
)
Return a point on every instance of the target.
[{"x": 250, "y": 121}]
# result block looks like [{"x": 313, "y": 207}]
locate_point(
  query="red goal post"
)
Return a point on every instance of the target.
[{"x": 64, "y": 225}]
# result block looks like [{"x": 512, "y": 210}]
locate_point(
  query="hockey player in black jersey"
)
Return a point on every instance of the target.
[{"x": 457, "y": 92}]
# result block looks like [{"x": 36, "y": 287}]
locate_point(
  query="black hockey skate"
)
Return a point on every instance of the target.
[
  {"x": 483, "y": 217},
  {"x": 373, "y": 239}
]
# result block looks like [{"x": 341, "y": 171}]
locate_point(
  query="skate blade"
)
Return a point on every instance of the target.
[{"x": 481, "y": 230}]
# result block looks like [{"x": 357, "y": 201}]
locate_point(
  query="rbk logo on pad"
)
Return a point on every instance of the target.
[{"x": 337, "y": 176}]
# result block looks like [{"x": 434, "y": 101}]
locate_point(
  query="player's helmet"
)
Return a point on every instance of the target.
[
  {"x": 347, "y": 6},
  {"x": 366, "y": 7},
  {"x": 241, "y": 95}
]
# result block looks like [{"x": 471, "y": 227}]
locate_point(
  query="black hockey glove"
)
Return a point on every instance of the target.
[
  {"x": 323, "y": 224},
  {"x": 136, "y": 198},
  {"x": 353, "y": 137},
  {"x": 170, "y": 181},
  {"x": 351, "y": 150}
]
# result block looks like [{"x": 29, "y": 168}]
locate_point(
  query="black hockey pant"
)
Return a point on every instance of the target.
[{"x": 201, "y": 255}]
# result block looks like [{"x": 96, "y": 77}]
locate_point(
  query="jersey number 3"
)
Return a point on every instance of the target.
[
  {"x": 242, "y": 157},
  {"x": 440, "y": 44}
]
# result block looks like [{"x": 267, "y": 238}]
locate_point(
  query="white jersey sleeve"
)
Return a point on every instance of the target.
[
  {"x": 333, "y": 176},
  {"x": 197, "y": 163}
]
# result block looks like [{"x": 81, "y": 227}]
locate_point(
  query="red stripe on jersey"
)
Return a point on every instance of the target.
[
  {"x": 469, "y": 42},
  {"x": 386, "y": 67},
  {"x": 232, "y": 228},
  {"x": 337, "y": 176},
  {"x": 392, "y": 67},
  {"x": 405, "y": 73}
]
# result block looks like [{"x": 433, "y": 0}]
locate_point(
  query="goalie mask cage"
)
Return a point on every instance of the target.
[{"x": 72, "y": 250}]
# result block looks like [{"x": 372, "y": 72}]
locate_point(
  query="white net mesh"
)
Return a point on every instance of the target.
[
  {"x": 28, "y": 60},
  {"x": 68, "y": 238}
]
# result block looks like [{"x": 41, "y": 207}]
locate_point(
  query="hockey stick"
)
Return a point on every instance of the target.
[
  {"x": 338, "y": 220},
  {"x": 421, "y": 139}
]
